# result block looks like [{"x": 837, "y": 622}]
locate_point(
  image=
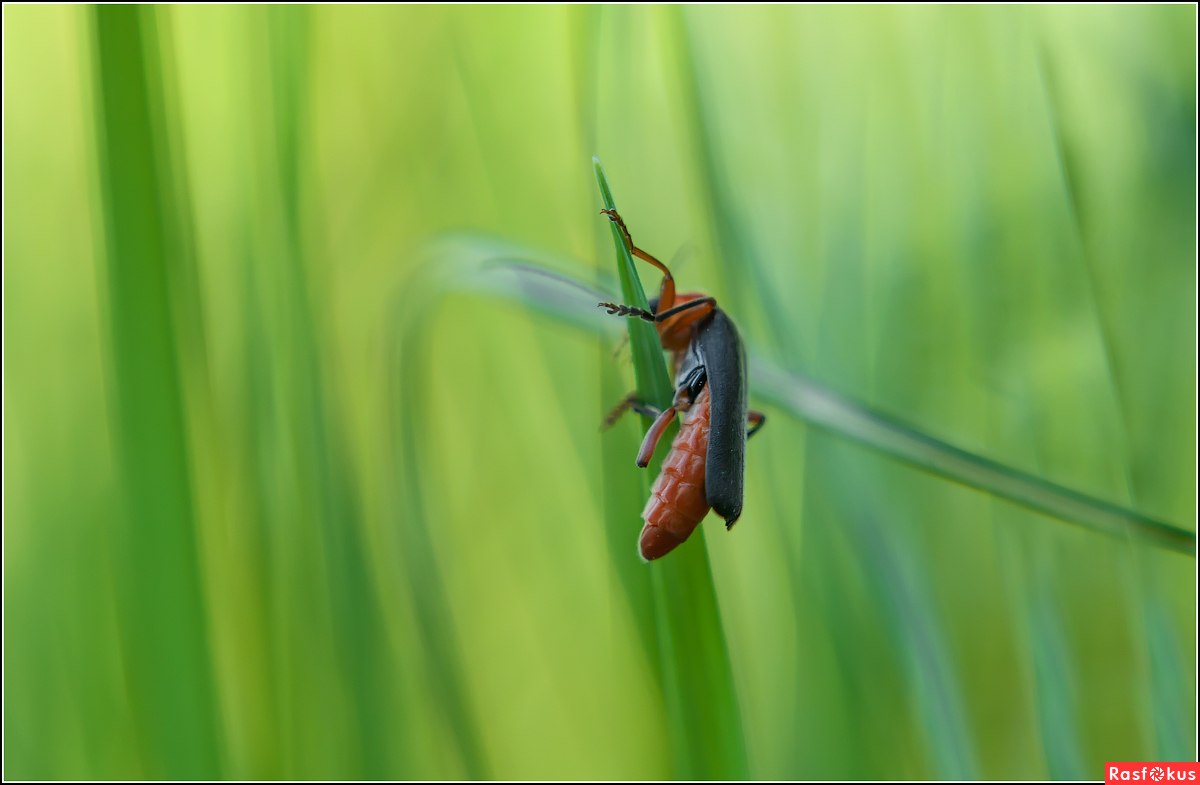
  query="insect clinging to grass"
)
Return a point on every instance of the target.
[{"x": 705, "y": 467}]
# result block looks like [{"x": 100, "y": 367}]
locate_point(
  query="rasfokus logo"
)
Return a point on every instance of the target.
[{"x": 1160, "y": 771}]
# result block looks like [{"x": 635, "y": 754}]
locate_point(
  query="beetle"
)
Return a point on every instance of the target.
[{"x": 705, "y": 467}]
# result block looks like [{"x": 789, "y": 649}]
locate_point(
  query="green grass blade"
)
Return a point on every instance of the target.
[
  {"x": 827, "y": 409},
  {"x": 1174, "y": 727},
  {"x": 912, "y": 620},
  {"x": 703, "y": 716},
  {"x": 409, "y": 358},
  {"x": 363, "y": 655},
  {"x": 1054, "y": 679},
  {"x": 443, "y": 658},
  {"x": 832, "y": 411},
  {"x": 291, "y": 494},
  {"x": 161, "y": 603}
]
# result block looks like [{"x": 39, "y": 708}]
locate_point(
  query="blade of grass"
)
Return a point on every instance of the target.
[
  {"x": 912, "y": 621},
  {"x": 1053, "y": 677},
  {"x": 818, "y": 405},
  {"x": 240, "y": 667},
  {"x": 363, "y": 653},
  {"x": 620, "y": 484},
  {"x": 832, "y": 411},
  {"x": 161, "y": 604},
  {"x": 703, "y": 716},
  {"x": 408, "y": 359}
]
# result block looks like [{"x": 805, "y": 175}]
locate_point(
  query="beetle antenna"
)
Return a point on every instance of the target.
[{"x": 616, "y": 309}]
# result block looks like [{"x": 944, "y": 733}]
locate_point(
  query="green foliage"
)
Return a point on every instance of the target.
[{"x": 292, "y": 493}]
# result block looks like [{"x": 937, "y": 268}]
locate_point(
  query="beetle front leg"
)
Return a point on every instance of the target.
[{"x": 666, "y": 292}]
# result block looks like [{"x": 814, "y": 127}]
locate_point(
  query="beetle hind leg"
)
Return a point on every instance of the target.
[{"x": 755, "y": 420}]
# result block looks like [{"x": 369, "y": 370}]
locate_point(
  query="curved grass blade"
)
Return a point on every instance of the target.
[
  {"x": 818, "y": 405},
  {"x": 834, "y": 412},
  {"x": 408, "y": 357}
]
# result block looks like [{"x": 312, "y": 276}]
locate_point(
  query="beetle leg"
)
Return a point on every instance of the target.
[
  {"x": 756, "y": 421},
  {"x": 629, "y": 403},
  {"x": 666, "y": 293},
  {"x": 685, "y": 395},
  {"x": 689, "y": 389},
  {"x": 653, "y": 435}
]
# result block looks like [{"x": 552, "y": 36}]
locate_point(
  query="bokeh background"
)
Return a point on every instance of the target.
[{"x": 275, "y": 506}]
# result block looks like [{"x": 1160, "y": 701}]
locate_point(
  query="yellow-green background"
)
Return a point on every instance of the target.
[{"x": 271, "y": 512}]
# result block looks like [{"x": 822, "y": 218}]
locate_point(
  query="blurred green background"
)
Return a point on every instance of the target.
[{"x": 274, "y": 508}]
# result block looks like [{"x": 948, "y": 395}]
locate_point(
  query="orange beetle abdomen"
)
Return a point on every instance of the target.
[{"x": 677, "y": 500}]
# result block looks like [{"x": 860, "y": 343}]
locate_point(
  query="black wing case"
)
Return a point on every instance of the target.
[{"x": 725, "y": 362}]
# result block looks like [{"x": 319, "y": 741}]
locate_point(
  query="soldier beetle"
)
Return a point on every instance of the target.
[{"x": 705, "y": 467}]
